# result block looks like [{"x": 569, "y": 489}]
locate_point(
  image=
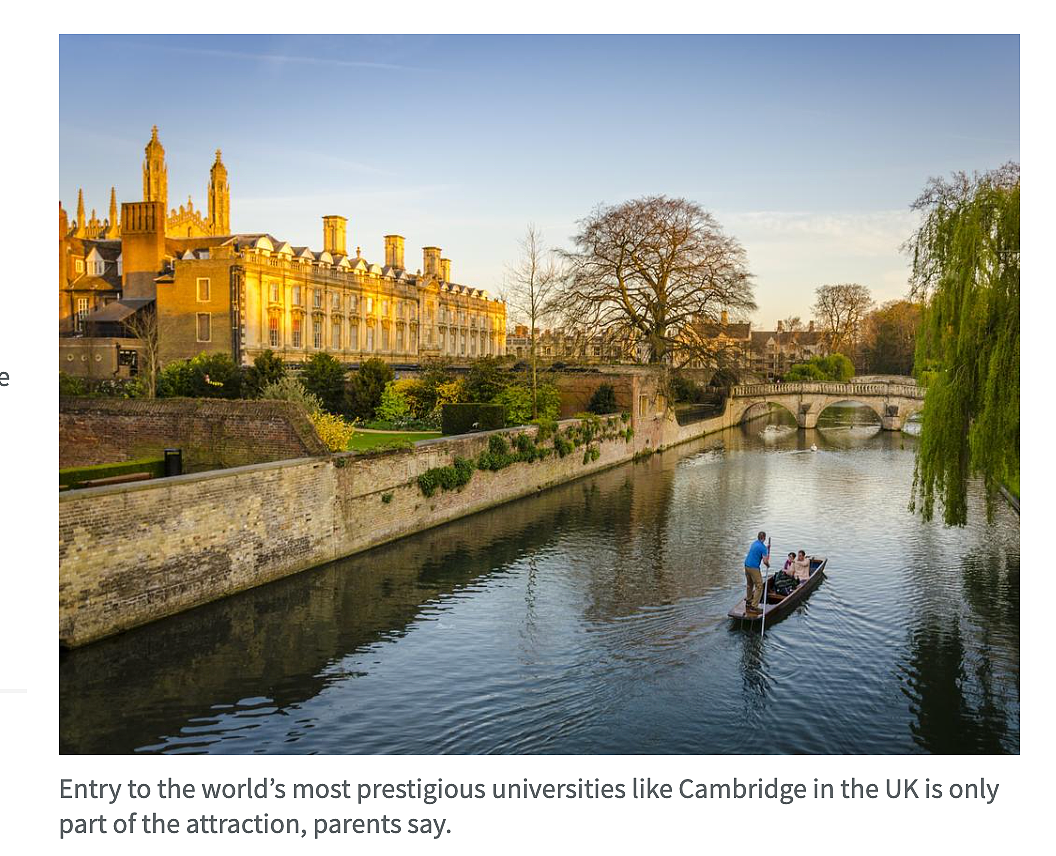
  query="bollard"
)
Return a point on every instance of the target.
[{"x": 173, "y": 462}]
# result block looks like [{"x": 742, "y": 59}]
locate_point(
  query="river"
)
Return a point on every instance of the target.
[{"x": 591, "y": 618}]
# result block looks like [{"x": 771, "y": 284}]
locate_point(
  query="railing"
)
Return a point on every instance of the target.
[{"x": 851, "y": 390}]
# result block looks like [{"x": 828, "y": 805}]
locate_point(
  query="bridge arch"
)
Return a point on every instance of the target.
[
  {"x": 743, "y": 415},
  {"x": 878, "y": 409},
  {"x": 893, "y": 403}
]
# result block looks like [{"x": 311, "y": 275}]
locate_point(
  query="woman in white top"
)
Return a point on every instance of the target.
[{"x": 801, "y": 567}]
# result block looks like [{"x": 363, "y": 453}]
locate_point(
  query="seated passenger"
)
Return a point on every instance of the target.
[
  {"x": 784, "y": 582},
  {"x": 801, "y": 567}
]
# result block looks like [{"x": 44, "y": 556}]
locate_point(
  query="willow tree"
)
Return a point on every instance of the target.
[
  {"x": 966, "y": 271},
  {"x": 657, "y": 272}
]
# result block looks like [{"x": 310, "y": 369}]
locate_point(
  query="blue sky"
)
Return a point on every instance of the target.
[{"x": 808, "y": 149}]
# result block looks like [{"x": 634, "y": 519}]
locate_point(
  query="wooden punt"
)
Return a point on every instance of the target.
[{"x": 774, "y": 605}]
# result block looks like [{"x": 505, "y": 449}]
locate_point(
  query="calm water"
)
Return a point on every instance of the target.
[{"x": 591, "y": 618}]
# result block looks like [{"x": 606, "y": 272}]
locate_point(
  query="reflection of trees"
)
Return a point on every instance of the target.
[
  {"x": 950, "y": 719},
  {"x": 961, "y": 671}
]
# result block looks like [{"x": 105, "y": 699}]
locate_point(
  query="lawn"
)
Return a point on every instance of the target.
[{"x": 363, "y": 441}]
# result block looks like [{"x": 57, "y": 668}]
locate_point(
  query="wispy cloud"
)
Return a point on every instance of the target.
[
  {"x": 281, "y": 58},
  {"x": 865, "y": 233}
]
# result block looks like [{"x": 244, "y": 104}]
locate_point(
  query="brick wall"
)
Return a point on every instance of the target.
[{"x": 213, "y": 433}]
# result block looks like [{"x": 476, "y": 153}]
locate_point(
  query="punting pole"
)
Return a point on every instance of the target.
[{"x": 765, "y": 579}]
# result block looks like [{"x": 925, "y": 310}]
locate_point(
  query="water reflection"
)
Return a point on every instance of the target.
[{"x": 591, "y": 618}]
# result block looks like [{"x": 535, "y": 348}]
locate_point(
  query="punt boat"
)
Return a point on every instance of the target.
[{"x": 774, "y": 605}]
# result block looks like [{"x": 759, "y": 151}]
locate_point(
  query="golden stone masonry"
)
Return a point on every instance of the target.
[{"x": 241, "y": 294}]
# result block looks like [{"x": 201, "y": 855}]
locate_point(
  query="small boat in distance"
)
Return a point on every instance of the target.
[{"x": 775, "y": 605}]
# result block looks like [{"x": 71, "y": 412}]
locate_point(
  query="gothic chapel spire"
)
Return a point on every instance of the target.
[
  {"x": 155, "y": 173},
  {"x": 219, "y": 198}
]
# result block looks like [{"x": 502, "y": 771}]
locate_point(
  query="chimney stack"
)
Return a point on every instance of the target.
[
  {"x": 725, "y": 317},
  {"x": 780, "y": 326},
  {"x": 445, "y": 270},
  {"x": 142, "y": 247},
  {"x": 394, "y": 251},
  {"x": 431, "y": 261},
  {"x": 334, "y": 234},
  {"x": 810, "y": 327}
]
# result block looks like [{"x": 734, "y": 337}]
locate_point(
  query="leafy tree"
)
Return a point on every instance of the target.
[
  {"x": 834, "y": 367},
  {"x": 288, "y": 388},
  {"x": 517, "y": 399},
  {"x": 653, "y": 271},
  {"x": 324, "y": 377},
  {"x": 603, "y": 400},
  {"x": 366, "y": 387},
  {"x": 485, "y": 380},
  {"x": 889, "y": 337},
  {"x": 805, "y": 373},
  {"x": 203, "y": 376},
  {"x": 424, "y": 395},
  {"x": 267, "y": 368},
  {"x": 966, "y": 270}
]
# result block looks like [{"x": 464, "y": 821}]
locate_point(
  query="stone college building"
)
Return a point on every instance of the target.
[{"x": 241, "y": 294}]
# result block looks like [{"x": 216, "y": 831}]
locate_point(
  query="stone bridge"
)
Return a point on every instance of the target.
[{"x": 894, "y": 403}]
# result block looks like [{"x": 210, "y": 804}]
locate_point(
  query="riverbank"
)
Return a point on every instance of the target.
[{"x": 131, "y": 554}]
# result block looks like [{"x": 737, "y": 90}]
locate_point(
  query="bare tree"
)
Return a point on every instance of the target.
[
  {"x": 532, "y": 286},
  {"x": 656, "y": 273},
  {"x": 840, "y": 310},
  {"x": 143, "y": 325},
  {"x": 792, "y": 324}
]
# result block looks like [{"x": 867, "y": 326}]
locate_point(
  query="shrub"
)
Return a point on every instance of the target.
[
  {"x": 291, "y": 389},
  {"x": 449, "y": 392},
  {"x": 334, "y": 431},
  {"x": 548, "y": 401},
  {"x": 685, "y": 390},
  {"x": 324, "y": 377},
  {"x": 395, "y": 405},
  {"x": 603, "y": 400},
  {"x": 562, "y": 445},
  {"x": 834, "y": 367},
  {"x": 517, "y": 400},
  {"x": 367, "y": 386},
  {"x": 267, "y": 368},
  {"x": 451, "y": 477},
  {"x": 70, "y": 385},
  {"x": 547, "y": 427},
  {"x": 203, "y": 376}
]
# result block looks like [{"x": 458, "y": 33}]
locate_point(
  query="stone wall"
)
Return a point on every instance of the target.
[
  {"x": 134, "y": 553},
  {"x": 213, "y": 433}
]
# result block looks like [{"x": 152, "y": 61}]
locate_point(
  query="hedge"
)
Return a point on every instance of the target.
[
  {"x": 73, "y": 477},
  {"x": 462, "y": 418}
]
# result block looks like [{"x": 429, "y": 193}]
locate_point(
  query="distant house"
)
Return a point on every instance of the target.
[{"x": 774, "y": 352}]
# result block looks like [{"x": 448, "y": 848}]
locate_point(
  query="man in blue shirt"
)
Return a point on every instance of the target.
[{"x": 757, "y": 554}]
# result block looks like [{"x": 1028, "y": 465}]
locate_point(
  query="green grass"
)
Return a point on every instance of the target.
[{"x": 364, "y": 442}]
